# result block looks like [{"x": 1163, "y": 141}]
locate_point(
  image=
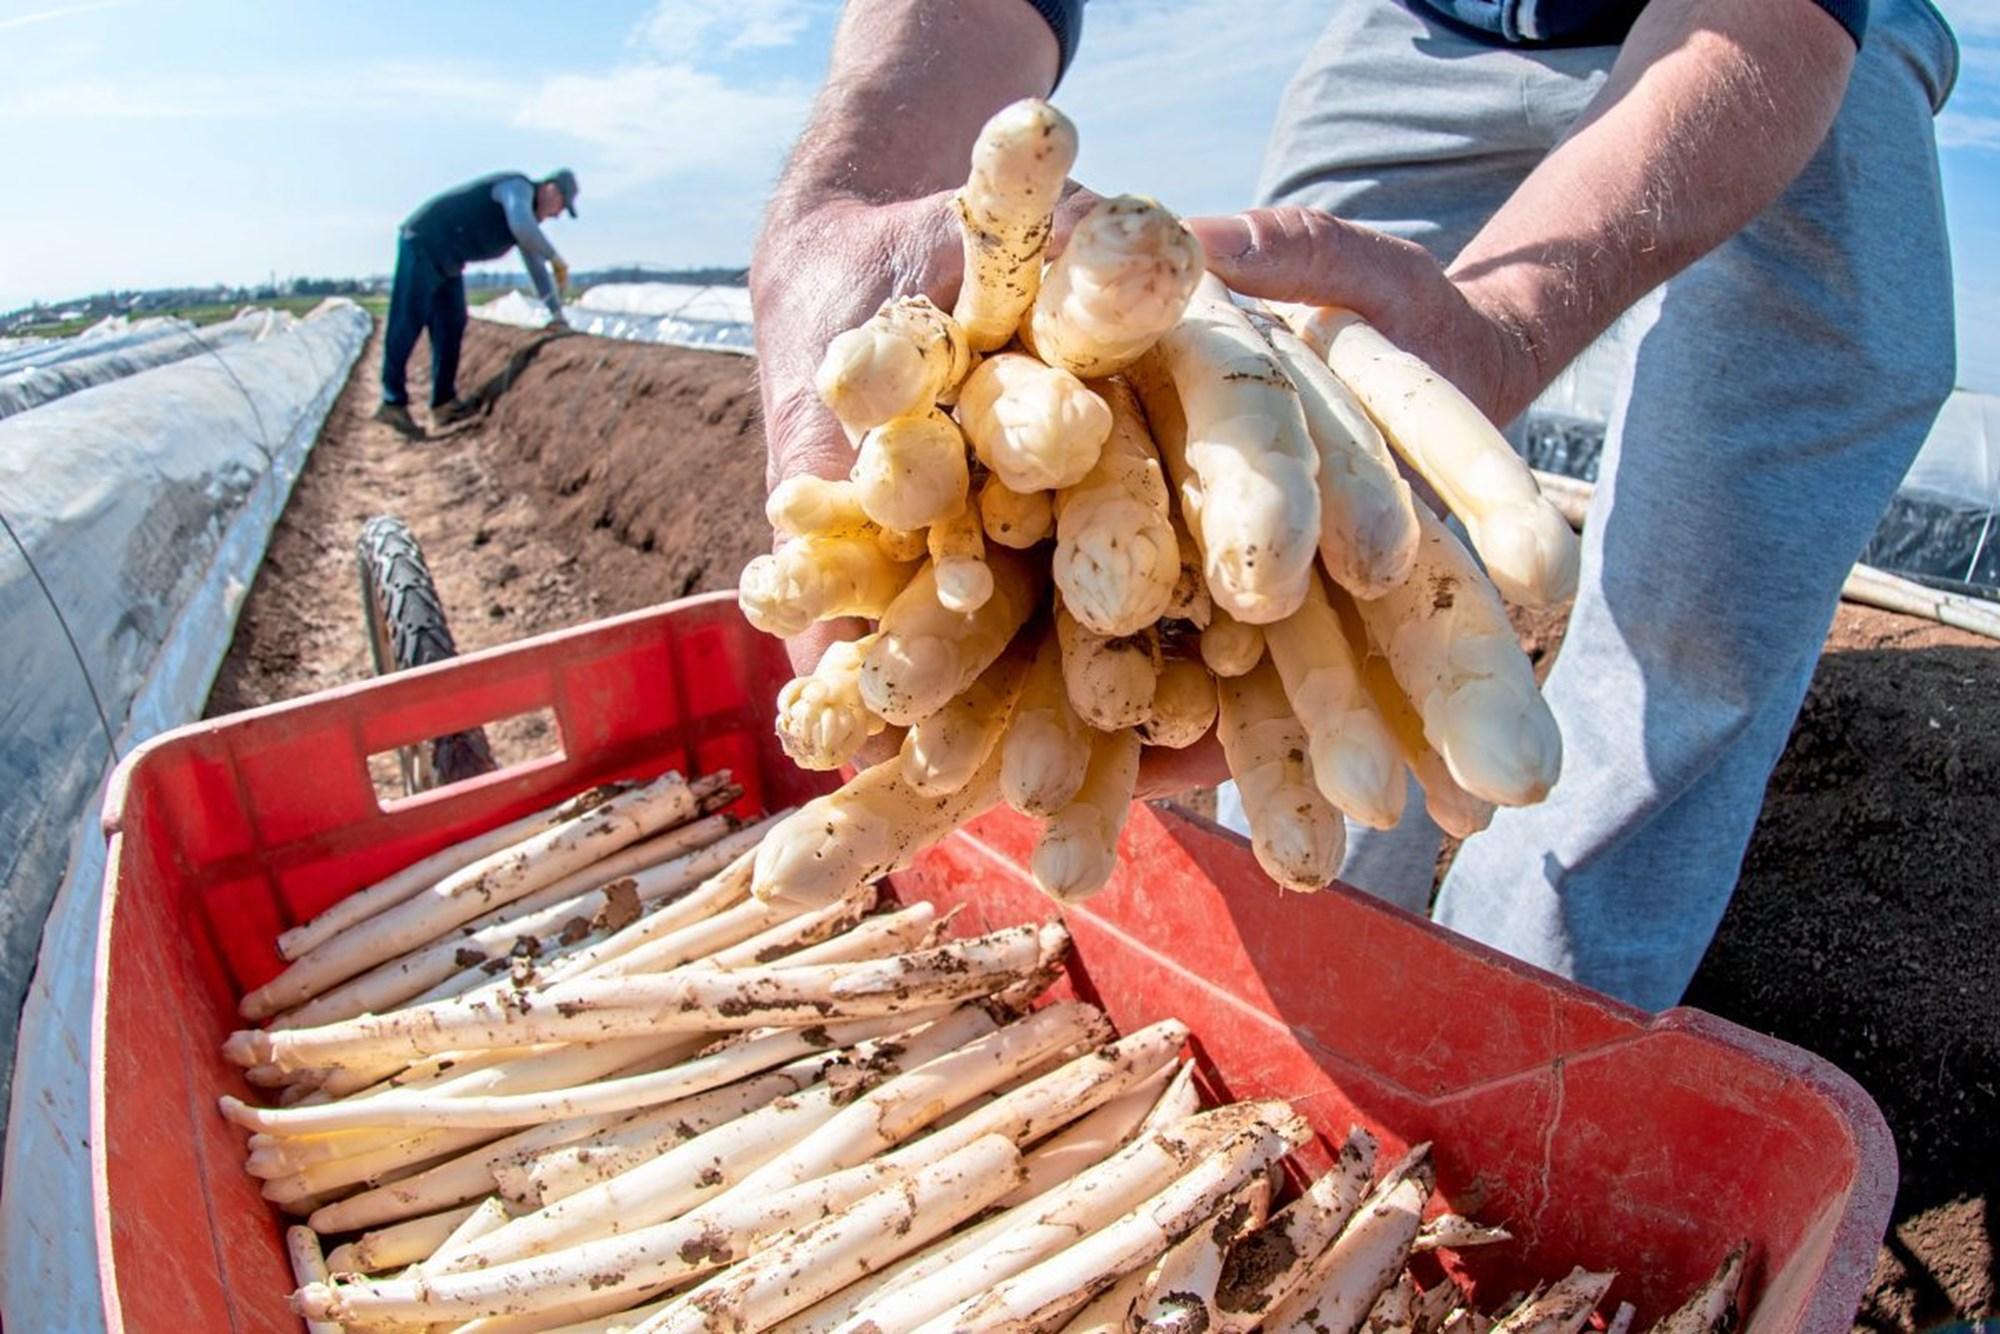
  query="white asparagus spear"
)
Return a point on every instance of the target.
[
  {"x": 897, "y": 1109},
  {"x": 943, "y": 752},
  {"x": 686, "y": 1000},
  {"x": 1047, "y": 1292},
  {"x": 498, "y": 878},
  {"x": 302, "y": 1245},
  {"x": 644, "y": 873},
  {"x": 1082, "y": 1205},
  {"x": 1368, "y": 521},
  {"x": 1620, "y": 1322},
  {"x": 1179, "y": 1295},
  {"x": 1181, "y": 1100},
  {"x": 897, "y": 363},
  {"x": 1017, "y": 519},
  {"x": 1110, "y": 1312},
  {"x": 1355, "y": 759},
  {"x": 1233, "y": 435},
  {"x": 1297, "y": 835},
  {"x": 910, "y": 472},
  {"x": 697, "y": 1170},
  {"x": 1122, "y": 280},
  {"x": 1395, "y": 1311},
  {"x": 1342, "y": 1284},
  {"x": 925, "y": 652},
  {"x": 1038, "y": 427},
  {"x": 1563, "y": 1308},
  {"x": 1111, "y": 682},
  {"x": 1092, "y": 1139},
  {"x": 1230, "y": 647},
  {"x": 1019, "y": 163},
  {"x": 957, "y": 548},
  {"x": 1078, "y": 849},
  {"x": 422, "y": 874},
  {"x": 875, "y": 825},
  {"x": 806, "y": 505},
  {"x": 1455, "y": 1232},
  {"x": 1117, "y": 558},
  {"x": 488, "y": 1215},
  {"x": 1184, "y": 703},
  {"x": 822, "y": 720},
  {"x": 817, "y": 1260},
  {"x": 475, "y": 1174},
  {"x": 812, "y": 579},
  {"x": 1269, "y": 1264},
  {"x": 397, "y": 1245},
  {"x": 1046, "y": 750},
  {"x": 1527, "y": 545},
  {"x": 1456, "y": 657}
]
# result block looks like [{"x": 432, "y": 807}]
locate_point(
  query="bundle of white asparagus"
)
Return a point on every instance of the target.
[
  {"x": 1100, "y": 506},
  {"x": 674, "y": 1106}
]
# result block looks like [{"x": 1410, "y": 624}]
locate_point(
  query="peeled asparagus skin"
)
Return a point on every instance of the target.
[
  {"x": 822, "y": 720},
  {"x": 1180, "y": 1292},
  {"x": 1269, "y": 1265},
  {"x": 1078, "y": 848},
  {"x": 1046, "y": 749},
  {"x": 911, "y": 472},
  {"x": 1183, "y": 704},
  {"x": 899, "y": 362},
  {"x": 500, "y": 877},
  {"x": 395, "y": 1246},
  {"x": 1448, "y": 641},
  {"x": 1529, "y": 549},
  {"x": 957, "y": 549},
  {"x": 1189, "y": 601},
  {"x": 1037, "y": 427},
  {"x": 1017, "y": 519},
  {"x": 308, "y": 1266},
  {"x": 818, "y": 578},
  {"x": 1117, "y": 559},
  {"x": 1232, "y": 432},
  {"x": 1019, "y": 163},
  {"x": 943, "y": 752},
  {"x": 1563, "y": 1309},
  {"x": 1368, "y": 519},
  {"x": 1122, "y": 280},
  {"x": 1337, "y": 1291},
  {"x": 1298, "y": 837},
  {"x": 1110, "y": 681},
  {"x": 872, "y": 826},
  {"x": 1355, "y": 758},
  {"x": 1713, "y": 1307},
  {"x": 925, "y": 652}
]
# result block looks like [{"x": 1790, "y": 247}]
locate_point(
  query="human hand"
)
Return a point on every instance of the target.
[
  {"x": 561, "y": 268},
  {"x": 1469, "y": 333}
]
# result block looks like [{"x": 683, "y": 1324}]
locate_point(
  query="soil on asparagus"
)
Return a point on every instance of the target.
[{"x": 610, "y": 476}]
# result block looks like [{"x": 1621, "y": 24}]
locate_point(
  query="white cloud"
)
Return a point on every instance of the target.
[
  {"x": 62, "y": 12},
  {"x": 651, "y": 121},
  {"x": 383, "y": 86},
  {"x": 687, "y": 30},
  {"x": 1968, "y": 129}
]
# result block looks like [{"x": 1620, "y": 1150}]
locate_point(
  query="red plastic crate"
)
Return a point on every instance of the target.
[{"x": 1600, "y": 1135}]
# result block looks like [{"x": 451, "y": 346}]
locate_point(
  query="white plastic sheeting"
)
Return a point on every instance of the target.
[
  {"x": 108, "y": 334},
  {"x": 137, "y": 513},
  {"x": 98, "y": 363},
  {"x": 715, "y": 319}
]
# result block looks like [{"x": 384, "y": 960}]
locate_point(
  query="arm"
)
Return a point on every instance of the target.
[
  {"x": 517, "y": 199},
  {"x": 856, "y": 215},
  {"x": 1711, "y": 110}
]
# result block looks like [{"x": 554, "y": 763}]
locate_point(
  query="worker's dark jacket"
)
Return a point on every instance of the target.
[{"x": 465, "y": 225}]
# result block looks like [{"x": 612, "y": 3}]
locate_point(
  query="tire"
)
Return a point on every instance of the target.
[{"x": 406, "y": 628}]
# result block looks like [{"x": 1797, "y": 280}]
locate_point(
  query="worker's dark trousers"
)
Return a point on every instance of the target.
[{"x": 424, "y": 296}]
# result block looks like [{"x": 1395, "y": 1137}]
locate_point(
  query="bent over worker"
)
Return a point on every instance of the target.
[
  {"x": 1491, "y": 183},
  {"x": 479, "y": 220}
]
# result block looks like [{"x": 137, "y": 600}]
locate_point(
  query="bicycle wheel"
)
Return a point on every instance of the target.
[{"x": 406, "y": 628}]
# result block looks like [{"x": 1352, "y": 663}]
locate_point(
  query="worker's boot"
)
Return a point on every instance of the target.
[
  {"x": 397, "y": 415},
  {"x": 454, "y": 412}
]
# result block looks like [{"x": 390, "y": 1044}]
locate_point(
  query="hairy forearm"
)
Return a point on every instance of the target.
[
  {"x": 910, "y": 83},
  {"x": 1710, "y": 111}
]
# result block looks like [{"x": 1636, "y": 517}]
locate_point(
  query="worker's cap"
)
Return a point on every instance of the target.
[{"x": 565, "y": 183}]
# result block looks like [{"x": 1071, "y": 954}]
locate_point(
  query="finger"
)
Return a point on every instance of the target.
[
  {"x": 1308, "y": 256},
  {"x": 1075, "y": 202}
]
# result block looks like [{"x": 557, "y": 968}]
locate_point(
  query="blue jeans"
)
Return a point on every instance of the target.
[
  {"x": 1780, "y": 387},
  {"x": 424, "y": 297}
]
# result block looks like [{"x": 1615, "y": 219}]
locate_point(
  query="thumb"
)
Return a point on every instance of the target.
[{"x": 1309, "y": 256}]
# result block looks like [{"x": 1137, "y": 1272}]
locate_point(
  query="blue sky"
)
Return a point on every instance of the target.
[{"x": 152, "y": 143}]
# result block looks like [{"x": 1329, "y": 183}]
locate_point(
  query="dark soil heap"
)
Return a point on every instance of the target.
[{"x": 611, "y": 476}]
